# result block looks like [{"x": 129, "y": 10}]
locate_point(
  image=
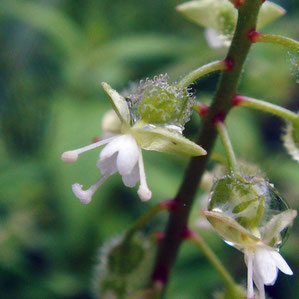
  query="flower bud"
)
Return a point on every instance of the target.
[
  {"x": 245, "y": 211},
  {"x": 124, "y": 266},
  {"x": 158, "y": 102}
]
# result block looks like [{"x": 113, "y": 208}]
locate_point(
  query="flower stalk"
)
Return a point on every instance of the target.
[
  {"x": 266, "y": 107},
  {"x": 212, "y": 257},
  {"x": 231, "y": 158},
  {"x": 220, "y": 65},
  {"x": 165, "y": 205},
  {"x": 257, "y": 37}
]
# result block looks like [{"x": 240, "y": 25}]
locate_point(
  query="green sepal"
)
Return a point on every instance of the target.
[
  {"x": 269, "y": 13},
  {"x": 207, "y": 13},
  {"x": 118, "y": 102},
  {"x": 230, "y": 230},
  {"x": 277, "y": 224},
  {"x": 165, "y": 140},
  {"x": 221, "y": 15}
]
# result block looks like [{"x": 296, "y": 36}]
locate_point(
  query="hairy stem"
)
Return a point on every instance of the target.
[
  {"x": 266, "y": 107},
  {"x": 227, "y": 88},
  {"x": 230, "y": 155},
  {"x": 202, "y": 71},
  {"x": 147, "y": 216},
  {"x": 277, "y": 39},
  {"x": 213, "y": 259}
]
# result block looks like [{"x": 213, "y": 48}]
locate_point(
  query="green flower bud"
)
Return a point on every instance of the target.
[
  {"x": 125, "y": 257},
  {"x": 124, "y": 266},
  {"x": 245, "y": 211},
  {"x": 158, "y": 102}
]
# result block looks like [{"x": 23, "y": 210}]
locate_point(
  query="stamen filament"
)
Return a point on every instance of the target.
[
  {"x": 250, "y": 291},
  {"x": 72, "y": 156},
  {"x": 143, "y": 192},
  {"x": 94, "y": 145},
  {"x": 85, "y": 196}
]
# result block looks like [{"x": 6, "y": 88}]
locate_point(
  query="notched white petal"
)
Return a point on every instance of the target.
[
  {"x": 132, "y": 178},
  {"x": 84, "y": 196},
  {"x": 265, "y": 266},
  {"x": 280, "y": 262},
  {"x": 69, "y": 156},
  {"x": 128, "y": 155}
]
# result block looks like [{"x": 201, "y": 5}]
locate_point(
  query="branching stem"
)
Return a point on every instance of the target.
[
  {"x": 222, "y": 102},
  {"x": 212, "y": 257}
]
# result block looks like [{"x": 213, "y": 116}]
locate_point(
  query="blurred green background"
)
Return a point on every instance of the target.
[{"x": 53, "y": 56}]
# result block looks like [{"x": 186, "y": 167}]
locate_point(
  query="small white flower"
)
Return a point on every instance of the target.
[
  {"x": 263, "y": 265},
  {"x": 122, "y": 152},
  {"x": 263, "y": 261},
  {"x": 122, "y": 155}
]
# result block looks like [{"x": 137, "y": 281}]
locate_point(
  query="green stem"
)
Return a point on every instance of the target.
[
  {"x": 211, "y": 256},
  {"x": 278, "y": 39},
  {"x": 231, "y": 158},
  {"x": 147, "y": 216},
  {"x": 202, "y": 71},
  {"x": 267, "y": 107}
]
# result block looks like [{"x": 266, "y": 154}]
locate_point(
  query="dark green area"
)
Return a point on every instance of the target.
[{"x": 53, "y": 57}]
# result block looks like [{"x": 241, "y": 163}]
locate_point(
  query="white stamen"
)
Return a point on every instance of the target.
[
  {"x": 85, "y": 196},
  {"x": 72, "y": 156},
  {"x": 69, "y": 157},
  {"x": 143, "y": 192},
  {"x": 250, "y": 291}
]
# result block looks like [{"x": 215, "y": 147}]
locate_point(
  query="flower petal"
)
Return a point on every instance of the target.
[
  {"x": 265, "y": 266},
  {"x": 281, "y": 264},
  {"x": 165, "y": 140},
  {"x": 118, "y": 102},
  {"x": 108, "y": 165},
  {"x": 132, "y": 178},
  {"x": 128, "y": 155}
]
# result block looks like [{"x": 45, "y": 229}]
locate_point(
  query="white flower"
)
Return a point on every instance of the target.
[
  {"x": 263, "y": 265},
  {"x": 262, "y": 260},
  {"x": 122, "y": 152}
]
